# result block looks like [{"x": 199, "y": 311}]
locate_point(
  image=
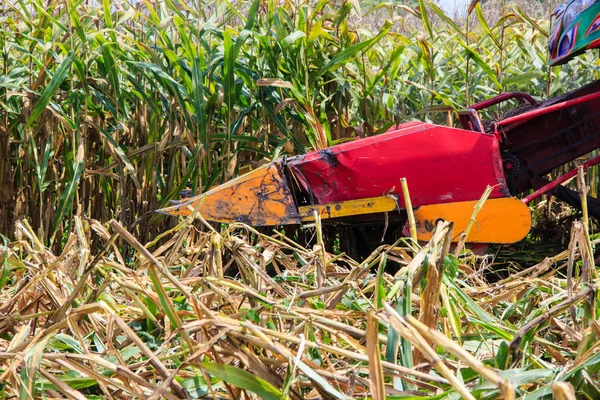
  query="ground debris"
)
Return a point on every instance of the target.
[{"x": 212, "y": 314}]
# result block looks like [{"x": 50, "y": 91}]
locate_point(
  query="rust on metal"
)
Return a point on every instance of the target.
[{"x": 259, "y": 198}]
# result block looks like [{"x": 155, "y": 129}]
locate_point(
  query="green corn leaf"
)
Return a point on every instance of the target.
[
  {"x": 166, "y": 79},
  {"x": 427, "y": 58},
  {"x": 68, "y": 194},
  {"x": 425, "y": 18},
  {"x": 442, "y": 15},
  {"x": 318, "y": 8},
  {"x": 243, "y": 380},
  {"x": 29, "y": 371},
  {"x": 42, "y": 11},
  {"x": 523, "y": 77},
  {"x": 393, "y": 60},
  {"x": 471, "y": 305},
  {"x": 113, "y": 73},
  {"x": 404, "y": 307},
  {"x": 228, "y": 71},
  {"x": 346, "y": 55},
  {"x": 177, "y": 8},
  {"x": 529, "y": 20},
  {"x": 183, "y": 30},
  {"x": 195, "y": 386},
  {"x": 319, "y": 380},
  {"x": 485, "y": 26},
  {"x": 41, "y": 169},
  {"x": 198, "y": 92},
  {"x": 474, "y": 55},
  {"x": 151, "y": 10},
  {"x": 503, "y": 356},
  {"x": 57, "y": 79},
  {"x": 76, "y": 21},
  {"x": 445, "y": 99},
  {"x": 76, "y": 383},
  {"x": 293, "y": 38},
  {"x": 106, "y": 4},
  {"x": 397, "y": 344},
  {"x": 528, "y": 50},
  {"x": 517, "y": 377},
  {"x": 380, "y": 291},
  {"x": 5, "y": 260},
  {"x": 251, "y": 17},
  {"x": 64, "y": 342}
]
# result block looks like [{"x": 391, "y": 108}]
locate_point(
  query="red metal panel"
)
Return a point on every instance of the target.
[{"x": 441, "y": 165}]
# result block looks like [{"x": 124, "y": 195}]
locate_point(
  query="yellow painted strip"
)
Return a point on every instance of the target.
[
  {"x": 348, "y": 208},
  {"x": 504, "y": 220}
]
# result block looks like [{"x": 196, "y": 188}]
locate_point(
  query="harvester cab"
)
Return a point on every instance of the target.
[{"x": 447, "y": 169}]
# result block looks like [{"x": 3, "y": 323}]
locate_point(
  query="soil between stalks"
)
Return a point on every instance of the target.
[{"x": 293, "y": 322}]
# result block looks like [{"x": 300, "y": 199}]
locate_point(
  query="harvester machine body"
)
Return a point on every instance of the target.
[
  {"x": 447, "y": 169},
  {"x": 442, "y": 164},
  {"x": 360, "y": 181}
]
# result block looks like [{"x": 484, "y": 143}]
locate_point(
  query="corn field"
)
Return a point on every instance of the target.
[{"x": 109, "y": 109}]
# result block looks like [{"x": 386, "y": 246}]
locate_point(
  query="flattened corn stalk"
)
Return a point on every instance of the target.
[{"x": 296, "y": 323}]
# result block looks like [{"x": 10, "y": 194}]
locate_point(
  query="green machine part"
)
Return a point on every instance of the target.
[{"x": 575, "y": 29}]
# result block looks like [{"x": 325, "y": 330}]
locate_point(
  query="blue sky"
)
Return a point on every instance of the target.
[{"x": 454, "y": 5}]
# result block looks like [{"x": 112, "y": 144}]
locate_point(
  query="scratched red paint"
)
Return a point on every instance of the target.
[{"x": 441, "y": 165}]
